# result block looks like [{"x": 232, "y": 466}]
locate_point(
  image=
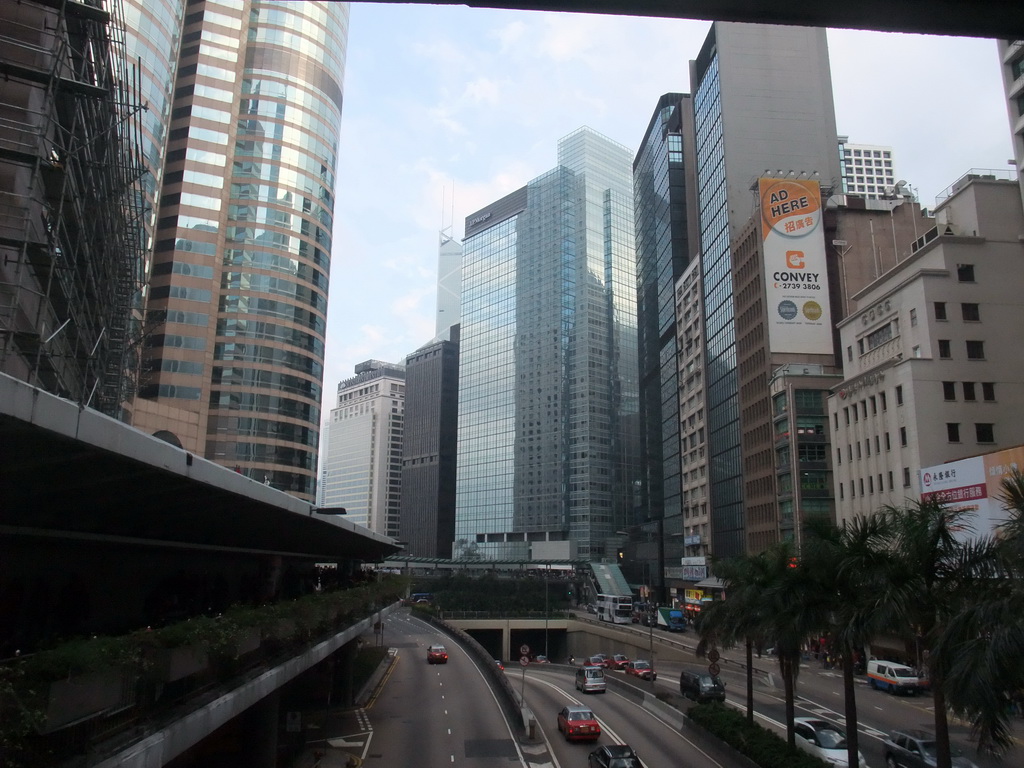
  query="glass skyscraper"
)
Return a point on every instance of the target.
[
  {"x": 236, "y": 312},
  {"x": 666, "y": 240},
  {"x": 548, "y": 401}
]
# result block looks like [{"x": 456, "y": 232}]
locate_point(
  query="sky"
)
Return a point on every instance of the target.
[{"x": 447, "y": 109}]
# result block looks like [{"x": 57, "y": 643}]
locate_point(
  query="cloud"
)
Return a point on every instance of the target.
[{"x": 482, "y": 91}]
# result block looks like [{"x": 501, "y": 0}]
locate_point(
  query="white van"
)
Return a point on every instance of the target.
[
  {"x": 590, "y": 680},
  {"x": 893, "y": 677}
]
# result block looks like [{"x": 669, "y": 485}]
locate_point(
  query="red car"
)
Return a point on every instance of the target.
[
  {"x": 597, "y": 660},
  {"x": 618, "y": 661},
  {"x": 641, "y": 669},
  {"x": 437, "y": 654},
  {"x": 578, "y": 724}
]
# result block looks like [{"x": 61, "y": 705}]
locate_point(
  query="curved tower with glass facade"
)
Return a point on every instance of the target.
[{"x": 236, "y": 312}]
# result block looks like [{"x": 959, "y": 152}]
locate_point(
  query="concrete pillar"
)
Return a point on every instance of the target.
[
  {"x": 343, "y": 690},
  {"x": 260, "y": 726}
]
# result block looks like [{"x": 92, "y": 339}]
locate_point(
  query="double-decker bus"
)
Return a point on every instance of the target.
[{"x": 618, "y": 609}]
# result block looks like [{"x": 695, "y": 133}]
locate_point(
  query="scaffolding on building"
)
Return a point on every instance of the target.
[{"x": 71, "y": 201}]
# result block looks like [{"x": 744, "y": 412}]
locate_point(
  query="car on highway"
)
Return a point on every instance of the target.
[
  {"x": 541, "y": 659},
  {"x": 499, "y": 664},
  {"x": 614, "y": 756},
  {"x": 642, "y": 669},
  {"x": 914, "y": 748},
  {"x": 597, "y": 660},
  {"x": 701, "y": 687},
  {"x": 578, "y": 724},
  {"x": 437, "y": 654},
  {"x": 591, "y": 680},
  {"x": 825, "y": 740},
  {"x": 618, "y": 661}
]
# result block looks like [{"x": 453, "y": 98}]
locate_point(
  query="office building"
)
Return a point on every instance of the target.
[
  {"x": 1011, "y": 56},
  {"x": 752, "y": 116},
  {"x": 236, "y": 311},
  {"x": 430, "y": 445},
  {"x": 664, "y": 187},
  {"x": 547, "y": 458},
  {"x": 866, "y": 169},
  {"x": 362, "y": 463},
  {"x": 692, "y": 529},
  {"x": 932, "y": 370},
  {"x": 449, "y": 284}
]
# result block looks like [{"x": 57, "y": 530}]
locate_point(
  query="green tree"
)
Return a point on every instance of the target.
[
  {"x": 937, "y": 567},
  {"x": 984, "y": 639},
  {"x": 741, "y": 617},
  {"x": 849, "y": 564}
]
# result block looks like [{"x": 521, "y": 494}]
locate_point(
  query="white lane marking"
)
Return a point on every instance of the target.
[{"x": 611, "y": 732}]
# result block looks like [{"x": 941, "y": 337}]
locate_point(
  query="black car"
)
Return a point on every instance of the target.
[
  {"x": 701, "y": 687},
  {"x": 614, "y": 756},
  {"x": 914, "y": 748}
]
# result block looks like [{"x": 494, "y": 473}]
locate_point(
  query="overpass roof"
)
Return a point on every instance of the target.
[
  {"x": 977, "y": 18},
  {"x": 71, "y": 472}
]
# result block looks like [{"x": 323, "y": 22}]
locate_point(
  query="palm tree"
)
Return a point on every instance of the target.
[
  {"x": 740, "y": 617},
  {"x": 985, "y": 639},
  {"x": 937, "y": 566},
  {"x": 849, "y": 563}
]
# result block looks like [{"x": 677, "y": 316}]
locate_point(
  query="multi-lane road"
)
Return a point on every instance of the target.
[{"x": 446, "y": 714}]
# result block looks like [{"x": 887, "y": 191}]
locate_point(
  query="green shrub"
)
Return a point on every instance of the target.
[{"x": 759, "y": 744}]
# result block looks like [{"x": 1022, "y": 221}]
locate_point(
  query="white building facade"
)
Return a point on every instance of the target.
[
  {"x": 362, "y": 463},
  {"x": 932, "y": 364},
  {"x": 867, "y": 169}
]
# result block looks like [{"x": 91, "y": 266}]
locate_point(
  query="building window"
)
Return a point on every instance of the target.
[
  {"x": 913, "y": 318},
  {"x": 953, "y": 432},
  {"x": 988, "y": 391},
  {"x": 975, "y": 350},
  {"x": 971, "y": 312},
  {"x": 940, "y": 310},
  {"x": 985, "y": 433},
  {"x": 969, "y": 391},
  {"x": 849, "y": 353},
  {"x": 965, "y": 273},
  {"x": 903, "y": 436},
  {"x": 874, "y": 405},
  {"x": 899, "y": 395},
  {"x": 906, "y": 477},
  {"x": 949, "y": 390},
  {"x": 839, "y": 455},
  {"x": 890, "y": 480},
  {"x": 881, "y": 396},
  {"x": 841, "y": 496},
  {"x": 888, "y": 442},
  {"x": 945, "y": 351}
]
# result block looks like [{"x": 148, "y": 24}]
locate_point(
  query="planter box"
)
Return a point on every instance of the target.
[
  {"x": 248, "y": 642},
  {"x": 85, "y": 696},
  {"x": 170, "y": 664}
]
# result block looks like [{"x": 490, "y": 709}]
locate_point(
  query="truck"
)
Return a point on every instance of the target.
[{"x": 671, "y": 619}]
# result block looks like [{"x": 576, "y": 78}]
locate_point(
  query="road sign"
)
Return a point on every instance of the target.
[
  {"x": 714, "y": 669},
  {"x": 713, "y": 655},
  {"x": 524, "y": 660},
  {"x": 524, "y": 649}
]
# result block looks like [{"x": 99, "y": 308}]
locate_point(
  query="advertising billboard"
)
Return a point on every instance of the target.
[
  {"x": 796, "y": 282},
  {"x": 973, "y": 485}
]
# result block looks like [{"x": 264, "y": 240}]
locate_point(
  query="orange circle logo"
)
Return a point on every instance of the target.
[{"x": 789, "y": 207}]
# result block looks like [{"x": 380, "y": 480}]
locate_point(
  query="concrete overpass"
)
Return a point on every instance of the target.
[{"x": 976, "y": 18}]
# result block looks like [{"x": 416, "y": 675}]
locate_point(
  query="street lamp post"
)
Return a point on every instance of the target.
[{"x": 546, "y": 568}]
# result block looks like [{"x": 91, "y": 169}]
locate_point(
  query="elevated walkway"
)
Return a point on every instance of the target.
[{"x": 608, "y": 579}]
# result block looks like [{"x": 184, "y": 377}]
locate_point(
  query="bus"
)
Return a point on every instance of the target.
[{"x": 618, "y": 609}]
